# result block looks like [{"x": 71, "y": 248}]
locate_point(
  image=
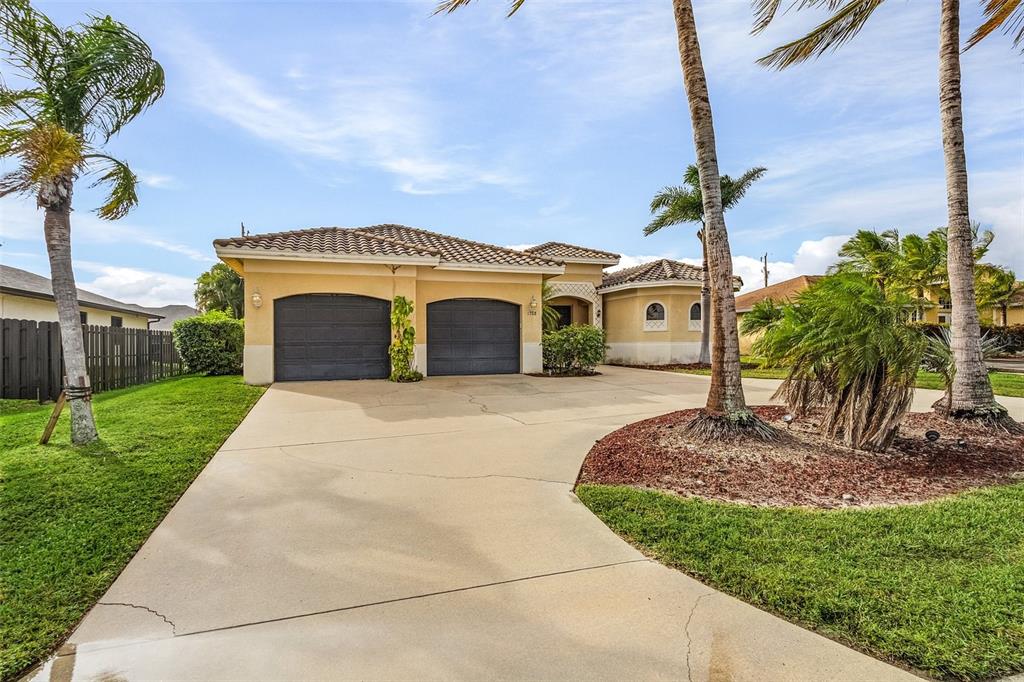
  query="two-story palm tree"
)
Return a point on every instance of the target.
[
  {"x": 84, "y": 84},
  {"x": 972, "y": 397}
]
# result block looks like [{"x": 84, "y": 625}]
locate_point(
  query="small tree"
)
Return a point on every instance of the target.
[
  {"x": 403, "y": 341},
  {"x": 851, "y": 354},
  {"x": 84, "y": 84},
  {"x": 997, "y": 288},
  {"x": 220, "y": 288}
]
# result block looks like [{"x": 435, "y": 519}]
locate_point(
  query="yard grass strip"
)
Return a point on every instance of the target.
[
  {"x": 1003, "y": 383},
  {"x": 938, "y": 587},
  {"x": 71, "y": 518}
]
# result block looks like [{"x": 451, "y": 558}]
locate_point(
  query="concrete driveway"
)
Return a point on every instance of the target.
[{"x": 368, "y": 530}]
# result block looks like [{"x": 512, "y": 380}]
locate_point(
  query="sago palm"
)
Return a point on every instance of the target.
[
  {"x": 850, "y": 354},
  {"x": 84, "y": 84},
  {"x": 972, "y": 396},
  {"x": 726, "y": 412},
  {"x": 683, "y": 203}
]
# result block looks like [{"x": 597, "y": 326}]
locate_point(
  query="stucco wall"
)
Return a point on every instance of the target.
[
  {"x": 421, "y": 285},
  {"x": 580, "y": 272},
  {"x": 630, "y": 343},
  {"x": 38, "y": 309}
]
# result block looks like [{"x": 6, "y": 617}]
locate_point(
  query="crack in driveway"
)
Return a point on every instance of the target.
[
  {"x": 174, "y": 630},
  {"x": 336, "y": 465},
  {"x": 686, "y": 631}
]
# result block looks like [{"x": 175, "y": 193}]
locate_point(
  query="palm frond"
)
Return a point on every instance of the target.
[
  {"x": 733, "y": 190},
  {"x": 449, "y": 6},
  {"x": 674, "y": 206},
  {"x": 123, "y": 197},
  {"x": 1005, "y": 14},
  {"x": 829, "y": 35},
  {"x": 765, "y": 10}
]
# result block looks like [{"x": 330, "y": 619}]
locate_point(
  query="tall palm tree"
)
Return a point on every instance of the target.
[
  {"x": 726, "y": 412},
  {"x": 998, "y": 288},
  {"x": 679, "y": 204},
  {"x": 86, "y": 83},
  {"x": 972, "y": 392}
]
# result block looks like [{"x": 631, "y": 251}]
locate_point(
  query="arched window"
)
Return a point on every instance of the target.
[
  {"x": 655, "y": 317},
  {"x": 695, "y": 317}
]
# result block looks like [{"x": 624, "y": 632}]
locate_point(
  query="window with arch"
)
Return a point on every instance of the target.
[
  {"x": 655, "y": 317},
  {"x": 695, "y": 317}
]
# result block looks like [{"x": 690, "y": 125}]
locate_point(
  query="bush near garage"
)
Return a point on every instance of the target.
[
  {"x": 573, "y": 350},
  {"x": 211, "y": 344}
]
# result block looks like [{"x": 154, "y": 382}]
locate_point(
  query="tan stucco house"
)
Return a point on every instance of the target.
[
  {"x": 25, "y": 295},
  {"x": 318, "y": 302}
]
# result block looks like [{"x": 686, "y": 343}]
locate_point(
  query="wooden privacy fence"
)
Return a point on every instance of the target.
[{"x": 33, "y": 367}]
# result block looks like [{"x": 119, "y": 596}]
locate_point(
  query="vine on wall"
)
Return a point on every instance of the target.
[{"x": 403, "y": 341}]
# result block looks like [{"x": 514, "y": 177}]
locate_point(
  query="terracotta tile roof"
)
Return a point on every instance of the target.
[
  {"x": 561, "y": 250},
  {"x": 663, "y": 270},
  {"x": 778, "y": 292},
  {"x": 456, "y": 249},
  {"x": 387, "y": 240}
]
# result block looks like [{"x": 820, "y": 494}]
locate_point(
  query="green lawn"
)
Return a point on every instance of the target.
[
  {"x": 1003, "y": 383},
  {"x": 938, "y": 586},
  {"x": 71, "y": 518}
]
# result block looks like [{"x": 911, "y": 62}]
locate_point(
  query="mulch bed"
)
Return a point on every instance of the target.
[
  {"x": 590, "y": 373},
  {"x": 802, "y": 468}
]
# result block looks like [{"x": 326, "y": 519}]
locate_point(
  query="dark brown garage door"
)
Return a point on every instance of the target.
[
  {"x": 472, "y": 336},
  {"x": 331, "y": 336}
]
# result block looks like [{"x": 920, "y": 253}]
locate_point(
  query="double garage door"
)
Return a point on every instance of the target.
[{"x": 342, "y": 336}]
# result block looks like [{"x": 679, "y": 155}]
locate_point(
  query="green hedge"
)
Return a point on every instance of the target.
[
  {"x": 211, "y": 343},
  {"x": 575, "y": 349}
]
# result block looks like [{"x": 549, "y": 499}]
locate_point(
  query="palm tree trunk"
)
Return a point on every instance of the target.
[
  {"x": 705, "y": 305},
  {"x": 971, "y": 391},
  {"x": 55, "y": 198},
  {"x": 726, "y": 411}
]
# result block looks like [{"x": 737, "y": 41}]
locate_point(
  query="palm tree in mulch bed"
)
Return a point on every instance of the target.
[
  {"x": 726, "y": 414},
  {"x": 972, "y": 397}
]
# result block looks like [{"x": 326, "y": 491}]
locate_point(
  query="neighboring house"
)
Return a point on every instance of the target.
[
  {"x": 170, "y": 315},
  {"x": 779, "y": 292},
  {"x": 317, "y": 302},
  {"x": 938, "y": 311},
  {"x": 25, "y": 295}
]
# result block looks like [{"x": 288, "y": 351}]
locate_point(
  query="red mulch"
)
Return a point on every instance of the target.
[{"x": 802, "y": 468}]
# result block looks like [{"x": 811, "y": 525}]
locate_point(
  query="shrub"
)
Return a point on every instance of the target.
[
  {"x": 575, "y": 349},
  {"x": 403, "y": 341},
  {"x": 211, "y": 343}
]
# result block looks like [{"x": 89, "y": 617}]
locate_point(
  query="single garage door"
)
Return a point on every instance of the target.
[
  {"x": 331, "y": 336},
  {"x": 472, "y": 336}
]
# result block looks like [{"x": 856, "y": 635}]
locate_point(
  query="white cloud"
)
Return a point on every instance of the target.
[
  {"x": 21, "y": 220},
  {"x": 157, "y": 180},
  {"x": 132, "y": 285},
  {"x": 378, "y": 120}
]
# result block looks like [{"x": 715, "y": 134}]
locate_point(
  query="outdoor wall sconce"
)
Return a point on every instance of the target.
[
  {"x": 533, "y": 305},
  {"x": 257, "y": 300}
]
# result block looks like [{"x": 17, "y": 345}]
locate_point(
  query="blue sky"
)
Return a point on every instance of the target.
[{"x": 559, "y": 124}]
